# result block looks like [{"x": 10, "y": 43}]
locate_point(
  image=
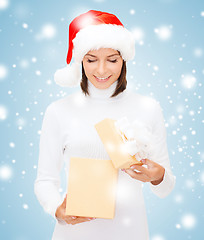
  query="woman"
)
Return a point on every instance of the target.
[{"x": 101, "y": 47}]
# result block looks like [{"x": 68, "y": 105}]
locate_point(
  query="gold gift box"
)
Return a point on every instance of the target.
[
  {"x": 91, "y": 188},
  {"x": 114, "y": 144}
]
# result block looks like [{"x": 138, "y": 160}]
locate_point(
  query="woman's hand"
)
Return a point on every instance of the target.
[
  {"x": 154, "y": 172},
  {"x": 60, "y": 215}
]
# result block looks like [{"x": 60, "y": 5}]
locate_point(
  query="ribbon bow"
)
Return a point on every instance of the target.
[{"x": 137, "y": 137}]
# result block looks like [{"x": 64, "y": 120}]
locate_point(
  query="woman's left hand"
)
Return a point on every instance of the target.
[{"x": 154, "y": 172}]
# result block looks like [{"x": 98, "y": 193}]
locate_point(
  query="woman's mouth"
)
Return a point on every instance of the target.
[{"x": 104, "y": 79}]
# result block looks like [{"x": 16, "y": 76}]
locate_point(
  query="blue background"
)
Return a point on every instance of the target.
[{"x": 28, "y": 88}]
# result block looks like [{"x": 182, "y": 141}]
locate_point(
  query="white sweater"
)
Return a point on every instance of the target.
[{"x": 68, "y": 131}]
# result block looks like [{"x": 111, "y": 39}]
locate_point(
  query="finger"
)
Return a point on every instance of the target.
[
  {"x": 64, "y": 202},
  {"x": 78, "y": 220},
  {"x": 70, "y": 217},
  {"x": 142, "y": 169},
  {"x": 137, "y": 175},
  {"x": 148, "y": 162},
  {"x": 86, "y": 218}
]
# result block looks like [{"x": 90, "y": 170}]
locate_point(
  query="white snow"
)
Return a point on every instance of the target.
[
  {"x": 38, "y": 73},
  {"x": 25, "y": 25},
  {"x": 158, "y": 237},
  {"x": 126, "y": 221},
  {"x": 3, "y": 71},
  {"x": 178, "y": 226},
  {"x": 25, "y": 206},
  {"x": 178, "y": 198},
  {"x": 3, "y": 113},
  {"x": 163, "y": 32},
  {"x": 188, "y": 81},
  {"x": 198, "y": 52},
  {"x": 48, "y": 31},
  {"x": 12, "y": 145},
  {"x": 156, "y": 68},
  {"x": 4, "y": 4},
  {"x": 5, "y": 172},
  {"x": 202, "y": 177},
  {"x": 34, "y": 59},
  {"x": 21, "y": 122},
  {"x": 138, "y": 34},
  {"x": 190, "y": 183},
  {"x": 24, "y": 63},
  {"x": 188, "y": 221}
]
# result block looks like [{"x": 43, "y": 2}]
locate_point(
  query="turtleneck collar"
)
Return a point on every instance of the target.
[{"x": 103, "y": 94}]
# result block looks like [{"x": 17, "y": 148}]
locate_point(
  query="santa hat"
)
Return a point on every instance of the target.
[{"x": 91, "y": 31}]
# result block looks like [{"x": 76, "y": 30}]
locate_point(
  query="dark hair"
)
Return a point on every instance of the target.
[{"x": 120, "y": 87}]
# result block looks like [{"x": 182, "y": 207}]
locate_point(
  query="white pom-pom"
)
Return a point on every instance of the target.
[{"x": 68, "y": 76}]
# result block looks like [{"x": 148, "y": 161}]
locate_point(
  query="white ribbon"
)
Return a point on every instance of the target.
[{"x": 137, "y": 137}]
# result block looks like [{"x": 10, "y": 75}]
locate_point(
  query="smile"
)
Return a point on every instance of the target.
[{"x": 102, "y": 79}]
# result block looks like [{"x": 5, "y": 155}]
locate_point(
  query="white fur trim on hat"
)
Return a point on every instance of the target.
[
  {"x": 104, "y": 36},
  {"x": 68, "y": 76}
]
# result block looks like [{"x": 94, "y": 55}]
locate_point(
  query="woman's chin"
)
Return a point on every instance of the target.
[{"x": 102, "y": 85}]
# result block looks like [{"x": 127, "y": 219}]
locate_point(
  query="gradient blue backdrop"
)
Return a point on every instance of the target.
[{"x": 158, "y": 70}]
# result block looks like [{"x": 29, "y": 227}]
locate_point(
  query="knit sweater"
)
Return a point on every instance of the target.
[{"x": 68, "y": 131}]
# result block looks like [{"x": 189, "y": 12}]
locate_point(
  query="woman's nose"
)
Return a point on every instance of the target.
[{"x": 101, "y": 69}]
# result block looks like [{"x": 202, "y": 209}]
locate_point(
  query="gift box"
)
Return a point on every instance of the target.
[
  {"x": 92, "y": 183},
  {"x": 91, "y": 190},
  {"x": 119, "y": 142}
]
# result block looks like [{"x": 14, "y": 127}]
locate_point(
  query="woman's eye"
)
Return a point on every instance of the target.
[
  {"x": 113, "y": 61},
  {"x": 90, "y": 61}
]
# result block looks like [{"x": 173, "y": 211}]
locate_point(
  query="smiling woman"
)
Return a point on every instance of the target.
[
  {"x": 101, "y": 47},
  {"x": 102, "y": 68}
]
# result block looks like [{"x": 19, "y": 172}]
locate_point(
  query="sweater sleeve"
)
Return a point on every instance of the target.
[
  {"x": 47, "y": 183},
  {"x": 161, "y": 156}
]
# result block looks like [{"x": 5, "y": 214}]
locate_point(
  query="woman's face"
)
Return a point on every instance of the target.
[{"x": 102, "y": 67}]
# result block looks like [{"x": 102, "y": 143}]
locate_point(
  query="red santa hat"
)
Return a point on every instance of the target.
[{"x": 91, "y": 31}]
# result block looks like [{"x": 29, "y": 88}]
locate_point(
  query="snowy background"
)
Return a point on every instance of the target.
[{"x": 169, "y": 66}]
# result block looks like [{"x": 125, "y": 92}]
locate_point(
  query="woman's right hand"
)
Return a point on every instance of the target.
[{"x": 60, "y": 215}]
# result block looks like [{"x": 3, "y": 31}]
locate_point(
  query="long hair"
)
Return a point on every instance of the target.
[{"x": 120, "y": 87}]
